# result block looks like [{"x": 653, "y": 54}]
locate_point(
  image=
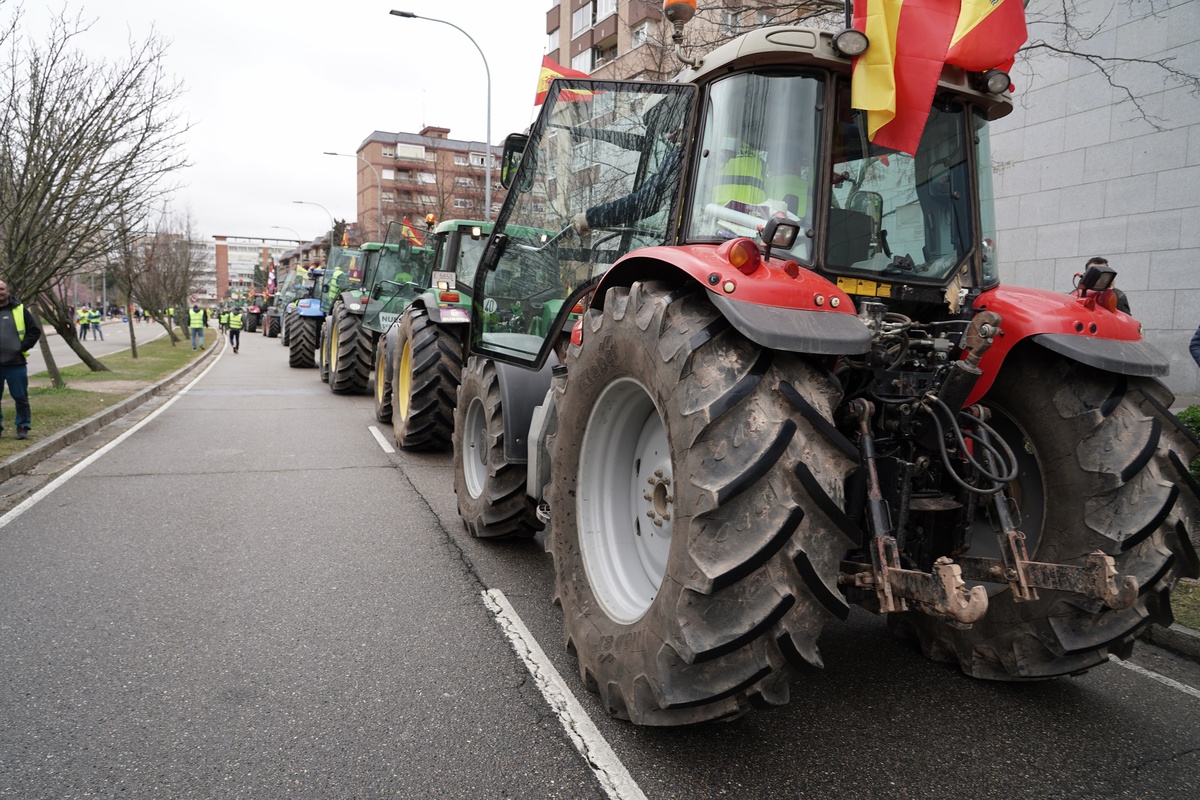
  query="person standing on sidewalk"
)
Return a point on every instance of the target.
[
  {"x": 197, "y": 322},
  {"x": 235, "y": 328},
  {"x": 94, "y": 318},
  {"x": 19, "y": 332},
  {"x": 84, "y": 322}
]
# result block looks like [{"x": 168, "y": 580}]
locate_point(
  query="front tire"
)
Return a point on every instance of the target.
[
  {"x": 696, "y": 494},
  {"x": 1103, "y": 466},
  {"x": 383, "y": 383},
  {"x": 349, "y": 353},
  {"x": 490, "y": 490},
  {"x": 426, "y": 374}
]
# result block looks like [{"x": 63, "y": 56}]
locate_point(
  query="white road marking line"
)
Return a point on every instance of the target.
[
  {"x": 45, "y": 491},
  {"x": 1154, "y": 676},
  {"x": 383, "y": 442},
  {"x": 616, "y": 780}
]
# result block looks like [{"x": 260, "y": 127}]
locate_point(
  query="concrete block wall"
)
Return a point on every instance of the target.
[{"x": 1079, "y": 172}]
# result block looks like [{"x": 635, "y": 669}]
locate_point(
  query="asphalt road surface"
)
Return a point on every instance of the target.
[{"x": 239, "y": 593}]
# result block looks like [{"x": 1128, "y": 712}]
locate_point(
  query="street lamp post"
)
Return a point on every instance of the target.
[
  {"x": 323, "y": 208},
  {"x": 487, "y": 178},
  {"x": 378, "y": 191}
]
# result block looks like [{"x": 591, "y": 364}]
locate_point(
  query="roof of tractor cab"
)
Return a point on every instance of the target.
[{"x": 795, "y": 45}]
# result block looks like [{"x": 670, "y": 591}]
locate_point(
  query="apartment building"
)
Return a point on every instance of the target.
[
  {"x": 630, "y": 40},
  {"x": 415, "y": 174}
]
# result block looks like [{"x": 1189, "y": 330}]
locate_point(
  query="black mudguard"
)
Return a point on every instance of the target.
[{"x": 521, "y": 390}]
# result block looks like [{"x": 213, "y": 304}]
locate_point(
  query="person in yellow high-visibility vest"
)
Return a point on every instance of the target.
[
  {"x": 197, "y": 322},
  {"x": 235, "y": 323},
  {"x": 19, "y": 332}
]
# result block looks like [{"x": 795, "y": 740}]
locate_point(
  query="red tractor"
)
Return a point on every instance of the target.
[{"x": 797, "y": 387}]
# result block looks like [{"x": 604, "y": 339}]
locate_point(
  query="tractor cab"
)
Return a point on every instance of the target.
[{"x": 752, "y": 165}]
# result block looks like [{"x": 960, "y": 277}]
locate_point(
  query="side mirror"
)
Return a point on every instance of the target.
[
  {"x": 514, "y": 149},
  {"x": 869, "y": 203}
]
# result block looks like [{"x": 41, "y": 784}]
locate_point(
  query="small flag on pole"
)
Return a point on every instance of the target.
[
  {"x": 411, "y": 235},
  {"x": 550, "y": 71}
]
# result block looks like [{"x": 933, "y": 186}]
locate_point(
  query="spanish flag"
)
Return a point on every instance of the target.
[
  {"x": 988, "y": 35},
  {"x": 895, "y": 80},
  {"x": 345, "y": 238},
  {"x": 411, "y": 235},
  {"x": 550, "y": 71}
]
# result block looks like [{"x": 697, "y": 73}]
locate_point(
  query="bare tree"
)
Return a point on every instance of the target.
[
  {"x": 162, "y": 268},
  {"x": 86, "y": 146}
]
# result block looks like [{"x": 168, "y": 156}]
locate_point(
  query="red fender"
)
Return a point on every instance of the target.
[
  {"x": 779, "y": 282},
  {"x": 1026, "y": 312}
]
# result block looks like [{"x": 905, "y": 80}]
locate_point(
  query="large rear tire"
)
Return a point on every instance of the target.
[
  {"x": 272, "y": 326},
  {"x": 1103, "y": 466},
  {"x": 490, "y": 490},
  {"x": 349, "y": 352},
  {"x": 303, "y": 335},
  {"x": 288, "y": 324},
  {"x": 426, "y": 374},
  {"x": 696, "y": 493}
]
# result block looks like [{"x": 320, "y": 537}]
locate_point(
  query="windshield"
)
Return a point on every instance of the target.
[
  {"x": 896, "y": 215},
  {"x": 599, "y": 178},
  {"x": 756, "y": 157}
]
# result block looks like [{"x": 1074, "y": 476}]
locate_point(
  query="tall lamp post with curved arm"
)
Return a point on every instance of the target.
[
  {"x": 487, "y": 178},
  {"x": 323, "y": 208},
  {"x": 378, "y": 191}
]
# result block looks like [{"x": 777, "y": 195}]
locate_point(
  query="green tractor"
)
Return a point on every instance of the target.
[
  {"x": 344, "y": 356},
  {"x": 420, "y": 360}
]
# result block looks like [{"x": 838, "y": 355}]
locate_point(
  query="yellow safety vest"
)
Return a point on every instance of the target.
[
  {"x": 740, "y": 180},
  {"x": 19, "y": 319},
  {"x": 235, "y": 322},
  {"x": 196, "y": 318}
]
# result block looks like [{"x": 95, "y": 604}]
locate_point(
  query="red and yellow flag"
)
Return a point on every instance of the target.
[
  {"x": 345, "y": 238},
  {"x": 410, "y": 234},
  {"x": 550, "y": 71},
  {"x": 895, "y": 79},
  {"x": 988, "y": 35}
]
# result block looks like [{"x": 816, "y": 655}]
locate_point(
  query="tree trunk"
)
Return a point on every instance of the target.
[{"x": 56, "y": 379}]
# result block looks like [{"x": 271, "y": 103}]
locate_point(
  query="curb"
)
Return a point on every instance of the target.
[
  {"x": 27, "y": 460},
  {"x": 1179, "y": 640}
]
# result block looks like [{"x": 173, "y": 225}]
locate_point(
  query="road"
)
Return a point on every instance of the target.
[{"x": 244, "y": 595}]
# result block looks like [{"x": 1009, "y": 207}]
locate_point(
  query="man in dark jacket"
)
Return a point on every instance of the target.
[{"x": 19, "y": 332}]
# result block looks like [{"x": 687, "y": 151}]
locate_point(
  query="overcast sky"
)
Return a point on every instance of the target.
[{"x": 272, "y": 84}]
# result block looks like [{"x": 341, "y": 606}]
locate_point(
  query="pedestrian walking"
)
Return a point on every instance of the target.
[
  {"x": 94, "y": 317},
  {"x": 197, "y": 322},
  {"x": 235, "y": 328},
  {"x": 83, "y": 320},
  {"x": 19, "y": 332},
  {"x": 223, "y": 320}
]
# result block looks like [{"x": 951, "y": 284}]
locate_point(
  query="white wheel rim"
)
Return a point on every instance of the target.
[
  {"x": 625, "y": 500},
  {"x": 475, "y": 447}
]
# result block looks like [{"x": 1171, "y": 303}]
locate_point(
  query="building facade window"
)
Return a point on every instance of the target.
[
  {"x": 640, "y": 34},
  {"x": 730, "y": 24},
  {"x": 388, "y": 151},
  {"x": 765, "y": 18},
  {"x": 386, "y": 174},
  {"x": 427, "y": 177},
  {"x": 581, "y": 20},
  {"x": 583, "y": 61},
  {"x": 462, "y": 202},
  {"x": 411, "y": 151},
  {"x": 465, "y": 183},
  {"x": 477, "y": 159},
  {"x": 460, "y": 160},
  {"x": 387, "y": 197},
  {"x": 605, "y": 8},
  {"x": 552, "y": 41}
]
